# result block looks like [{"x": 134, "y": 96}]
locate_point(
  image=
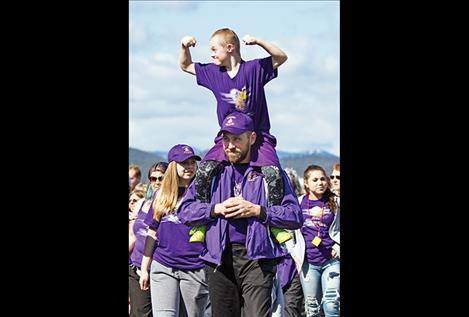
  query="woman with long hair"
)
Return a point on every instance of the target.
[{"x": 176, "y": 269}]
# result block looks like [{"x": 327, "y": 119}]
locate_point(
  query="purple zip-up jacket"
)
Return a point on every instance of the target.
[{"x": 259, "y": 244}]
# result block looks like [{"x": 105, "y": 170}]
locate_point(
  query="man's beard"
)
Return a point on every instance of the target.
[{"x": 235, "y": 156}]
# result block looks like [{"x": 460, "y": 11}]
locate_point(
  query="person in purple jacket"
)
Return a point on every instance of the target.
[
  {"x": 176, "y": 270},
  {"x": 320, "y": 276},
  {"x": 238, "y": 86},
  {"x": 239, "y": 253}
]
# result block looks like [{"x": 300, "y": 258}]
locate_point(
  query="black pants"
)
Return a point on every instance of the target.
[
  {"x": 140, "y": 301},
  {"x": 294, "y": 298},
  {"x": 241, "y": 287}
]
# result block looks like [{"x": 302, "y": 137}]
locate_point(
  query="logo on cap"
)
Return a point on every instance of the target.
[
  {"x": 229, "y": 122},
  {"x": 187, "y": 150}
]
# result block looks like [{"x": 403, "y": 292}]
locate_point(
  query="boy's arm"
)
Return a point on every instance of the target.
[
  {"x": 278, "y": 56},
  {"x": 185, "y": 59}
]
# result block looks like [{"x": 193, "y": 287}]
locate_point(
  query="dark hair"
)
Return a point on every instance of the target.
[
  {"x": 159, "y": 166},
  {"x": 328, "y": 195}
]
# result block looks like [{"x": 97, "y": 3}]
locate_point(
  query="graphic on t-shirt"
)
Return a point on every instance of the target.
[
  {"x": 143, "y": 230},
  {"x": 171, "y": 218},
  {"x": 236, "y": 97},
  {"x": 237, "y": 189},
  {"x": 313, "y": 216}
]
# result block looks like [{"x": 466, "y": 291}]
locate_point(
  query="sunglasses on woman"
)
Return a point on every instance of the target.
[
  {"x": 154, "y": 179},
  {"x": 335, "y": 176}
]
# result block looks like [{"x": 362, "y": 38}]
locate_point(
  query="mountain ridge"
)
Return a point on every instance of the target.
[{"x": 296, "y": 160}]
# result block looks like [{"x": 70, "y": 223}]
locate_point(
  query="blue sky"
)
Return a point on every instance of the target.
[{"x": 166, "y": 106}]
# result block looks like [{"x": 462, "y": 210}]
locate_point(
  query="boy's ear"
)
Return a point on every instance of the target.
[{"x": 230, "y": 48}]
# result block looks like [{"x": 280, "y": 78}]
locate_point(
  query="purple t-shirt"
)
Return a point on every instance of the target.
[
  {"x": 244, "y": 92},
  {"x": 140, "y": 229},
  {"x": 312, "y": 221},
  {"x": 173, "y": 247},
  {"x": 237, "y": 228}
]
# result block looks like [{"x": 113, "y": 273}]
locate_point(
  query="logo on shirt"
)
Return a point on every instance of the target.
[
  {"x": 237, "y": 189},
  {"x": 312, "y": 216},
  {"x": 171, "y": 218},
  {"x": 252, "y": 176},
  {"x": 236, "y": 97}
]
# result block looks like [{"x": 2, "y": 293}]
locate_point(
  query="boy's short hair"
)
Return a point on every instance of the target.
[{"x": 229, "y": 37}]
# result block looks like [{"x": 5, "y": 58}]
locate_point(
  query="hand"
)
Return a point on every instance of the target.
[
  {"x": 333, "y": 253},
  {"x": 237, "y": 207},
  {"x": 220, "y": 208},
  {"x": 249, "y": 40},
  {"x": 144, "y": 280},
  {"x": 188, "y": 41}
]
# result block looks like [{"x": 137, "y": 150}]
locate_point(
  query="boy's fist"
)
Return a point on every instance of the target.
[
  {"x": 188, "y": 41},
  {"x": 249, "y": 40}
]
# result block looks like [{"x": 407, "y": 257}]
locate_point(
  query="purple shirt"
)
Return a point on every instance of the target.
[
  {"x": 140, "y": 229},
  {"x": 244, "y": 92},
  {"x": 173, "y": 247},
  {"x": 237, "y": 227},
  {"x": 312, "y": 221}
]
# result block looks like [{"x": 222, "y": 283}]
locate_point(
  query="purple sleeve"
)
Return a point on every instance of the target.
[
  {"x": 288, "y": 214},
  {"x": 193, "y": 212},
  {"x": 149, "y": 220},
  {"x": 202, "y": 74},
  {"x": 266, "y": 70}
]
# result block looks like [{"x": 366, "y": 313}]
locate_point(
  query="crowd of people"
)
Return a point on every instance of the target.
[
  {"x": 236, "y": 234},
  {"x": 288, "y": 283}
]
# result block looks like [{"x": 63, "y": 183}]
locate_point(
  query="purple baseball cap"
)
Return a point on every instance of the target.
[
  {"x": 181, "y": 152},
  {"x": 237, "y": 123}
]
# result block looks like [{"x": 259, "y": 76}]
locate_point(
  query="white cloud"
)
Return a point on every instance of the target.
[
  {"x": 330, "y": 65},
  {"x": 161, "y": 133},
  {"x": 137, "y": 34},
  {"x": 166, "y": 106}
]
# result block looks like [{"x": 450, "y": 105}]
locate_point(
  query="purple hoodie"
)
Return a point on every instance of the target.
[{"x": 259, "y": 244}]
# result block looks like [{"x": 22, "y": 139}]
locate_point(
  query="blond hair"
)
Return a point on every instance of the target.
[
  {"x": 227, "y": 36},
  {"x": 138, "y": 192},
  {"x": 167, "y": 196}
]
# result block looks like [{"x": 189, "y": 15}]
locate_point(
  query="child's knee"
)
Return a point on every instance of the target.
[
  {"x": 274, "y": 183},
  {"x": 208, "y": 166},
  {"x": 271, "y": 172}
]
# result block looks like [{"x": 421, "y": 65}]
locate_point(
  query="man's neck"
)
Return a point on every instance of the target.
[{"x": 246, "y": 160}]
